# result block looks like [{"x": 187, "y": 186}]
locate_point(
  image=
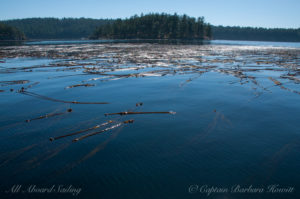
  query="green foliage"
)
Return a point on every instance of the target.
[
  {"x": 255, "y": 34},
  {"x": 155, "y": 26},
  {"x": 150, "y": 26},
  {"x": 10, "y": 33},
  {"x": 53, "y": 28}
]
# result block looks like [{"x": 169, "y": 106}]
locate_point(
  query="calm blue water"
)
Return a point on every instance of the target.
[
  {"x": 214, "y": 42},
  {"x": 257, "y": 43},
  {"x": 234, "y": 126}
]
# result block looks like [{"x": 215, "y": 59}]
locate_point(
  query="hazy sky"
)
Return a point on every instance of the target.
[{"x": 262, "y": 13}]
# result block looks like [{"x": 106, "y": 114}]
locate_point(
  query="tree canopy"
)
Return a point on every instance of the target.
[
  {"x": 54, "y": 28},
  {"x": 10, "y": 33},
  {"x": 255, "y": 34},
  {"x": 155, "y": 26},
  {"x": 150, "y": 26}
]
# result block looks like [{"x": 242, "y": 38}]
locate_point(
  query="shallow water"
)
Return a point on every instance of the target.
[{"x": 236, "y": 123}]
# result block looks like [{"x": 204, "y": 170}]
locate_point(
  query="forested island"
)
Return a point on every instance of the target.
[
  {"x": 10, "y": 33},
  {"x": 150, "y": 26},
  {"x": 155, "y": 26}
]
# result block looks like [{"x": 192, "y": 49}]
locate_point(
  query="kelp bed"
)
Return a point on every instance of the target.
[
  {"x": 96, "y": 64},
  {"x": 106, "y": 62}
]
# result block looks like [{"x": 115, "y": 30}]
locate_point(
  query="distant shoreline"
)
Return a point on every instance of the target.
[{"x": 37, "y": 29}]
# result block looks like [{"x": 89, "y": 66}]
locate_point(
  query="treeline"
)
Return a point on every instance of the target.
[
  {"x": 155, "y": 26},
  {"x": 255, "y": 34},
  {"x": 54, "y": 28},
  {"x": 150, "y": 26},
  {"x": 10, "y": 33}
]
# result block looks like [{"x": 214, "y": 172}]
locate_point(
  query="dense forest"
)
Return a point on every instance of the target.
[
  {"x": 54, "y": 28},
  {"x": 150, "y": 26},
  {"x": 255, "y": 34},
  {"x": 155, "y": 26},
  {"x": 10, "y": 33}
]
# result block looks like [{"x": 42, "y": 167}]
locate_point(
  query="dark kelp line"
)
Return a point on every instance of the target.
[
  {"x": 5, "y": 83},
  {"x": 56, "y": 100},
  {"x": 31, "y": 85},
  {"x": 50, "y": 115},
  {"x": 82, "y": 131},
  {"x": 80, "y": 85},
  {"x": 118, "y": 123},
  {"x": 132, "y": 113},
  {"x": 107, "y": 129},
  {"x": 278, "y": 83},
  {"x": 137, "y": 105}
]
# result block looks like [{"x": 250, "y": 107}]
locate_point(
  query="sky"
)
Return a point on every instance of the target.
[{"x": 255, "y": 13}]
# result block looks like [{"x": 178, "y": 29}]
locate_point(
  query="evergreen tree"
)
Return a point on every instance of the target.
[
  {"x": 10, "y": 33},
  {"x": 255, "y": 34},
  {"x": 53, "y": 28},
  {"x": 155, "y": 26}
]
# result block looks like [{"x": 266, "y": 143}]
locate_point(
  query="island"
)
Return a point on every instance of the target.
[{"x": 155, "y": 26}]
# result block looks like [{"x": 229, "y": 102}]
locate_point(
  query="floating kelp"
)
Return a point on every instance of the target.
[
  {"x": 142, "y": 70},
  {"x": 1, "y": 91},
  {"x": 49, "y": 115},
  {"x": 140, "y": 60},
  {"x": 291, "y": 77},
  {"x": 80, "y": 85},
  {"x": 133, "y": 113},
  {"x": 14, "y": 82},
  {"x": 31, "y": 85},
  {"x": 107, "y": 129},
  {"x": 189, "y": 80},
  {"x": 248, "y": 66},
  {"x": 82, "y": 131},
  {"x": 22, "y": 91},
  {"x": 291, "y": 90},
  {"x": 278, "y": 83}
]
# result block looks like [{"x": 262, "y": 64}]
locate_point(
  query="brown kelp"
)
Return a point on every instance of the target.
[
  {"x": 107, "y": 129},
  {"x": 49, "y": 115},
  {"x": 80, "y": 85},
  {"x": 4, "y": 83},
  {"x": 82, "y": 131},
  {"x": 22, "y": 91},
  {"x": 278, "y": 83},
  {"x": 133, "y": 113},
  {"x": 119, "y": 61}
]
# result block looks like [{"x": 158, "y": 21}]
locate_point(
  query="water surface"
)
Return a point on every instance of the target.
[{"x": 236, "y": 123}]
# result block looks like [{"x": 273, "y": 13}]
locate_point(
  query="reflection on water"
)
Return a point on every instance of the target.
[
  {"x": 236, "y": 122},
  {"x": 152, "y": 41},
  {"x": 11, "y": 43}
]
